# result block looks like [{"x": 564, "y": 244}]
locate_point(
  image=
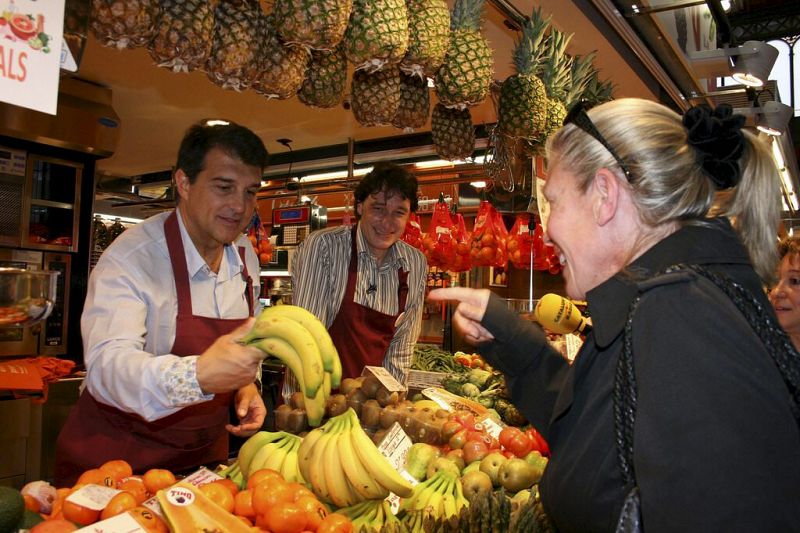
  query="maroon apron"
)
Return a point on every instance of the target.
[
  {"x": 360, "y": 334},
  {"x": 195, "y": 435}
]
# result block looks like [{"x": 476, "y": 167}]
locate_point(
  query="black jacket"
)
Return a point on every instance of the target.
[{"x": 716, "y": 447}]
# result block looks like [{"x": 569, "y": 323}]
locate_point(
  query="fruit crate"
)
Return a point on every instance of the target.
[{"x": 420, "y": 379}]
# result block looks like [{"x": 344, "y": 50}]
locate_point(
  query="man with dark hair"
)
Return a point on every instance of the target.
[
  {"x": 364, "y": 283},
  {"x": 166, "y": 304}
]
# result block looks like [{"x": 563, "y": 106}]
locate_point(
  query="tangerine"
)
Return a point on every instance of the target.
[
  {"x": 218, "y": 494},
  {"x": 156, "y": 479}
]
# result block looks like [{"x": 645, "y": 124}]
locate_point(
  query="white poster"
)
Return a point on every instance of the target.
[{"x": 30, "y": 52}]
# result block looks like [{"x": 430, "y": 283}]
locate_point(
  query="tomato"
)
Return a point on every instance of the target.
[
  {"x": 465, "y": 418},
  {"x": 520, "y": 444},
  {"x": 286, "y": 517},
  {"x": 263, "y": 474},
  {"x": 148, "y": 520},
  {"x": 219, "y": 494},
  {"x": 124, "y": 501},
  {"x": 450, "y": 428},
  {"x": 335, "y": 523},
  {"x": 474, "y": 450},
  {"x": 539, "y": 443},
  {"x": 135, "y": 486},
  {"x": 268, "y": 493},
  {"x": 79, "y": 514},
  {"x": 118, "y": 469},
  {"x": 507, "y": 433},
  {"x": 156, "y": 479},
  {"x": 243, "y": 504},
  {"x": 313, "y": 510}
]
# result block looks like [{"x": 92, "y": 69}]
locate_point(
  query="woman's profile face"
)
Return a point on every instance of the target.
[{"x": 785, "y": 296}]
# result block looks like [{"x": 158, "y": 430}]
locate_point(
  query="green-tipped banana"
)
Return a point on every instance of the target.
[
  {"x": 265, "y": 452},
  {"x": 336, "y": 372},
  {"x": 326, "y": 384},
  {"x": 289, "y": 469},
  {"x": 317, "y": 329},
  {"x": 339, "y": 491},
  {"x": 357, "y": 475},
  {"x": 303, "y": 343},
  {"x": 376, "y": 464},
  {"x": 252, "y": 445},
  {"x": 278, "y": 457}
]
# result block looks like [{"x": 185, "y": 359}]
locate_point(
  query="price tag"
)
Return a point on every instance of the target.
[
  {"x": 491, "y": 426},
  {"x": 95, "y": 497},
  {"x": 200, "y": 477},
  {"x": 574, "y": 344},
  {"x": 394, "y": 447},
  {"x": 122, "y": 523},
  {"x": 386, "y": 379}
]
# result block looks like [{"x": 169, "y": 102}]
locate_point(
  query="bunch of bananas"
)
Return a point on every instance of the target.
[
  {"x": 343, "y": 465},
  {"x": 299, "y": 340},
  {"x": 373, "y": 516},
  {"x": 440, "y": 496},
  {"x": 275, "y": 450}
]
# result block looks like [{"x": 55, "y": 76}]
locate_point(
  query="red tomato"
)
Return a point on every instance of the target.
[
  {"x": 539, "y": 443},
  {"x": 520, "y": 445},
  {"x": 507, "y": 434},
  {"x": 474, "y": 450}
]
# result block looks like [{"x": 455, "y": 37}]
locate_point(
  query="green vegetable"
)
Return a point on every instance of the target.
[
  {"x": 486, "y": 401},
  {"x": 513, "y": 417},
  {"x": 479, "y": 377},
  {"x": 470, "y": 390},
  {"x": 453, "y": 383}
]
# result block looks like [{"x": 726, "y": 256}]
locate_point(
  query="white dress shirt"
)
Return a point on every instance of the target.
[{"x": 128, "y": 321}]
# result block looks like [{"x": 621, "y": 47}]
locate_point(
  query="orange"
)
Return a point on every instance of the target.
[
  {"x": 124, "y": 501},
  {"x": 148, "y": 520},
  {"x": 56, "y": 525},
  {"x": 218, "y": 494},
  {"x": 264, "y": 474},
  {"x": 267, "y": 494},
  {"x": 299, "y": 490},
  {"x": 228, "y": 484},
  {"x": 156, "y": 479},
  {"x": 313, "y": 510},
  {"x": 118, "y": 469},
  {"x": 95, "y": 476},
  {"x": 335, "y": 523},
  {"x": 79, "y": 514},
  {"x": 243, "y": 504},
  {"x": 286, "y": 517},
  {"x": 135, "y": 486}
]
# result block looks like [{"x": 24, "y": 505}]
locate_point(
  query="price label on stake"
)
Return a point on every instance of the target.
[
  {"x": 94, "y": 497},
  {"x": 394, "y": 447},
  {"x": 386, "y": 379}
]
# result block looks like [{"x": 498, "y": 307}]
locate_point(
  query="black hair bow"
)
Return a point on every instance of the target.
[{"x": 716, "y": 135}]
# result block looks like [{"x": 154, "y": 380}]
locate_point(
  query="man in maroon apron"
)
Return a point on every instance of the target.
[
  {"x": 206, "y": 371},
  {"x": 365, "y": 283}
]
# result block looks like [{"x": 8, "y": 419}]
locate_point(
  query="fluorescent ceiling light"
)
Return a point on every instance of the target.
[
  {"x": 334, "y": 175},
  {"x": 478, "y": 184},
  {"x": 444, "y": 163},
  {"x": 726, "y": 5},
  {"x": 112, "y": 218},
  {"x": 217, "y": 122}
]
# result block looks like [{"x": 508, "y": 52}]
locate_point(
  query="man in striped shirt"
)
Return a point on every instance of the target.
[{"x": 365, "y": 284}]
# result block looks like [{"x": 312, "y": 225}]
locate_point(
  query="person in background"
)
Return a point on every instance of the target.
[
  {"x": 785, "y": 295},
  {"x": 633, "y": 190},
  {"x": 364, "y": 283},
  {"x": 166, "y": 304}
]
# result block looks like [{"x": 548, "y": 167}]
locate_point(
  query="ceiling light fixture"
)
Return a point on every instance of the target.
[
  {"x": 748, "y": 64},
  {"x": 217, "y": 122},
  {"x": 478, "y": 184},
  {"x": 339, "y": 174},
  {"x": 771, "y": 118}
]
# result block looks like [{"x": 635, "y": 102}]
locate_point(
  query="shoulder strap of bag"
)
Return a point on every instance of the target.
[{"x": 764, "y": 324}]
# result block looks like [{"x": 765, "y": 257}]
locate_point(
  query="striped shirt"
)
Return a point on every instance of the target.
[{"x": 319, "y": 279}]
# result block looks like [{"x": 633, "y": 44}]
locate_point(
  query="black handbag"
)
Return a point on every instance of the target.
[{"x": 764, "y": 324}]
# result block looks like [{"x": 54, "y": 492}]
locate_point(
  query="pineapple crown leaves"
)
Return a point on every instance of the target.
[
  {"x": 467, "y": 15},
  {"x": 556, "y": 74},
  {"x": 596, "y": 91},
  {"x": 529, "y": 52},
  {"x": 581, "y": 73}
]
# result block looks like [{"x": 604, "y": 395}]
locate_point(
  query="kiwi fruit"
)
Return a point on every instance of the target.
[
  {"x": 370, "y": 385},
  {"x": 355, "y": 399},
  {"x": 347, "y": 385},
  {"x": 337, "y": 404},
  {"x": 298, "y": 421},
  {"x": 385, "y": 397},
  {"x": 371, "y": 414},
  {"x": 297, "y": 400},
  {"x": 389, "y": 416},
  {"x": 282, "y": 416}
]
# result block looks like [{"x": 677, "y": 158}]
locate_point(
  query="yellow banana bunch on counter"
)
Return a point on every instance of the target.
[{"x": 298, "y": 339}]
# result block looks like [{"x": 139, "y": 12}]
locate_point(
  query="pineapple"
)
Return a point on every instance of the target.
[
  {"x": 466, "y": 74},
  {"x": 326, "y": 78},
  {"x": 452, "y": 132},
  {"x": 415, "y": 103},
  {"x": 522, "y": 108},
  {"x": 377, "y": 33},
  {"x": 236, "y": 45},
  {"x": 283, "y": 66},
  {"x": 124, "y": 23},
  {"x": 596, "y": 91},
  {"x": 557, "y": 78},
  {"x": 376, "y": 95},
  {"x": 317, "y": 24},
  {"x": 181, "y": 40},
  {"x": 581, "y": 73},
  {"x": 429, "y": 35}
]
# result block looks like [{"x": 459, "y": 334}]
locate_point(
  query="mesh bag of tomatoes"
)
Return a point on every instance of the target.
[
  {"x": 413, "y": 232},
  {"x": 488, "y": 241},
  {"x": 520, "y": 242},
  {"x": 439, "y": 246},
  {"x": 259, "y": 239},
  {"x": 461, "y": 260}
]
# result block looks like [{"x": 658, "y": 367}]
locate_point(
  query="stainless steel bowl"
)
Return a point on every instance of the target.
[{"x": 26, "y": 296}]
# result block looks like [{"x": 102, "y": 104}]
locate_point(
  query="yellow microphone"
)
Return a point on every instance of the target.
[{"x": 559, "y": 315}]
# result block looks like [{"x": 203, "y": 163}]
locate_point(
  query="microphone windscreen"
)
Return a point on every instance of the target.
[{"x": 558, "y": 314}]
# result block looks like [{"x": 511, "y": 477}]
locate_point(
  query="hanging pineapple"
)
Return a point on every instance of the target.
[
  {"x": 557, "y": 78},
  {"x": 326, "y": 79},
  {"x": 452, "y": 132},
  {"x": 236, "y": 45},
  {"x": 580, "y": 74},
  {"x": 522, "y": 108},
  {"x": 415, "y": 103},
  {"x": 181, "y": 40},
  {"x": 596, "y": 91},
  {"x": 283, "y": 66},
  {"x": 317, "y": 24},
  {"x": 124, "y": 23},
  {"x": 428, "y": 36},
  {"x": 377, "y": 33},
  {"x": 376, "y": 95},
  {"x": 466, "y": 74}
]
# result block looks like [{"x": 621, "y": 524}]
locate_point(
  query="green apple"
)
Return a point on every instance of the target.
[
  {"x": 475, "y": 483},
  {"x": 457, "y": 456},
  {"x": 516, "y": 475},
  {"x": 538, "y": 462},
  {"x": 490, "y": 465},
  {"x": 442, "y": 463},
  {"x": 420, "y": 455}
]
